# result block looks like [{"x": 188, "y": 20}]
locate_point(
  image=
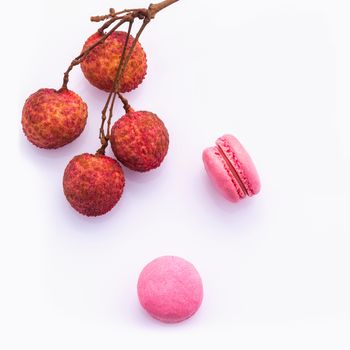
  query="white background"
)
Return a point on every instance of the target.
[{"x": 275, "y": 268}]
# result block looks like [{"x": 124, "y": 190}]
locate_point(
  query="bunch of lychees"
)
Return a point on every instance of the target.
[{"x": 115, "y": 62}]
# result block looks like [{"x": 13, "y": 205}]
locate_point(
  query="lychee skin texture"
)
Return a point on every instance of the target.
[
  {"x": 93, "y": 184},
  {"x": 101, "y": 64},
  {"x": 140, "y": 140},
  {"x": 52, "y": 119}
]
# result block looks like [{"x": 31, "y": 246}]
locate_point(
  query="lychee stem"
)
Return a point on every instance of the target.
[
  {"x": 103, "y": 137},
  {"x": 155, "y": 8},
  {"x": 112, "y": 14},
  {"x": 136, "y": 13},
  {"x": 110, "y": 116},
  {"x": 125, "y": 102},
  {"x": 119, "y": 74},
  {"x": 127, "y": 59},
  {"x": 121, "y": 68}
]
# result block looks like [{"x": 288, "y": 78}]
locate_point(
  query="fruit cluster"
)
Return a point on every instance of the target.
[{"x": 113, "y": 61}]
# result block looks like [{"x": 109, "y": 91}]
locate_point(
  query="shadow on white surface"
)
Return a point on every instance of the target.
[
  {"x": 60, "y": 211},
  {"x": 143, "y": 178},
  {"x": 246, "y": 212},
  {"x": 145, "y": 321},
  {"x": 43, "y": 157},
  {"x": 81, "y": 224}
]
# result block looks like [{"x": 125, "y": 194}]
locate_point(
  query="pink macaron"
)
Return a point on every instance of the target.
[
  {"x": 170, "y": 289},
  {"x": 231, "y": 169}
]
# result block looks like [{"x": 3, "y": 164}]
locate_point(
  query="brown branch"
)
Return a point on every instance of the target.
[
  {"x": 125, "y": 103},
  {"x": 137, "y": 37},
  {"x": 107, "y": 24},
  {"x": 103, "y": 137},
  {"x": 118, "y": 78},
  {"x": 110, "y": 116},
  {"x": 103, "y": 18},
  {"x": 137, "y": 13},
  {"x": 120, "y": 72},
  {"x": 112, "y": 14},
  {"x": 155, "y": 8},
  {"x": 124, "y": 60}
]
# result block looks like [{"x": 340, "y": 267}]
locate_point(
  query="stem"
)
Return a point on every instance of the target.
[
  {"x": 125, "y": 102},
  {"x": 111, "y": 14},
  {"x": 144, "y": 24},
  {"x": 155, "y": 8},
  {"x": 103, "y": 137},
  {"x": 107, "y": 24},
  {"x": 136, "y": 13},
  {"x": 120, "y": 72},
  {"x": 110, "y": 116}
]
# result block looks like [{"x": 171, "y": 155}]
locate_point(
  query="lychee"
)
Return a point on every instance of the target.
[
  {"x": 140, "y": 140},
  {"x": 101, "y": 64},
  {"x": 52, "y": 118},
  {"x": 93, "y": 184}
]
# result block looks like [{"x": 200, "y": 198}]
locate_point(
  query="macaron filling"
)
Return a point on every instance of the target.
[{"x": 233, "y": 171}]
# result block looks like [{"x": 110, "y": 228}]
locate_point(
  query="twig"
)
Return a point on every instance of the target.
[
  {"x": 120, "y": 72},
  {"x": 136, "y": 13},
  {"x": 137, "y": 37},
  {"x": 104, "y": 142},
  {"x": 155, "y": 8},
  {"x": 112, "y": 14},
  {"x": 103, "y": 137}
]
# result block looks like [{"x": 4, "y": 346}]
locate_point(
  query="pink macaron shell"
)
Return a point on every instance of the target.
[
  {"x": 220, "y": 174},
  {"x": 241, "y": 161},
  {"x": 170, "y": 289}
]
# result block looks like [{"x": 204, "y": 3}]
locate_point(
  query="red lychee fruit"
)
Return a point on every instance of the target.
[
  {"x": 140, "y": 140},
  {"x": 52, "y": 118},
  {"x": 93, "y": 184},
  {"x": 101, "y": 64}
]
